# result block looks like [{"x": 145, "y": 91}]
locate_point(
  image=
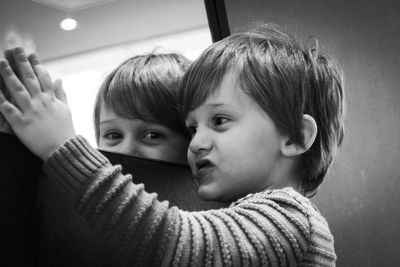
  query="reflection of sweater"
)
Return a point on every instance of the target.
[{"x": 274, "y": 227}]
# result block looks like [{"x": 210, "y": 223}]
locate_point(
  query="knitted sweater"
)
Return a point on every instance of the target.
[{"x": 269, "y": 228}]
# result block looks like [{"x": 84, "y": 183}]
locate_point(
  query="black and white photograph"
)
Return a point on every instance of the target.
[{"x": 199, "y": 133}]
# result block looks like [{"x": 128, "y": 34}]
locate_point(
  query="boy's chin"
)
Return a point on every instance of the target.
[{"x": 208, "y": 193}]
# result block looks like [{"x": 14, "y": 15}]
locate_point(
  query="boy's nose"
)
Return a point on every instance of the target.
[
  {"x": 200, "y": 143},
  {"x": 130, "y": 147}
]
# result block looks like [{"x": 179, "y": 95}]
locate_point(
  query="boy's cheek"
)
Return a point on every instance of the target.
[{"x": 191, "y": 161}]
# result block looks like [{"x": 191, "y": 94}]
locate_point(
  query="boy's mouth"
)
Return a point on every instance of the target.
[{"x": 203, "y": 164}]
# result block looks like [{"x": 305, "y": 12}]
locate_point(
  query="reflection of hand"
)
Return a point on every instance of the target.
[{"x": 40, "y": 116}]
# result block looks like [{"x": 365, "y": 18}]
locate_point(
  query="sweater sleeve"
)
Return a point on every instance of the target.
[{"x": 267, "y": 228}]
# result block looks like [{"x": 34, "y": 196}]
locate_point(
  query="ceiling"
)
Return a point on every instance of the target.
[
  {"x": 72, "y": 5},
  {"x": 102, "y": 23}
]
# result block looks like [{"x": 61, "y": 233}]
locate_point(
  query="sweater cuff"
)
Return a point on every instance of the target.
[{"x": 73, "y": 164}]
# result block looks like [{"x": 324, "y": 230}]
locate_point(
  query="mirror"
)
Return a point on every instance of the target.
[{"x": 107, "y": 32}]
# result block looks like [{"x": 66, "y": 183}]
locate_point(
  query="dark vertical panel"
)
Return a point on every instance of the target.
[
  {"x": 361, "y": 195},
  {"x": 19, "y": 170},
  {"x": 217, "y": 19}
]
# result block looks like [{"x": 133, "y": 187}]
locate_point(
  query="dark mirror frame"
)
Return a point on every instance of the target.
[{"x": 217, "y": 19}]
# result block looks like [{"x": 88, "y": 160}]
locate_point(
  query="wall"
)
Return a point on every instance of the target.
[
  {"x": 83, "y": 74},
  {"x": 106, "y": 35},
  {"x": 361, "y": 195},
  {"x": 113, "y": 23}
]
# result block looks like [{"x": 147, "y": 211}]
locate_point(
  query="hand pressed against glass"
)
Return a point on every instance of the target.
[{"x": 39, "y": 115}]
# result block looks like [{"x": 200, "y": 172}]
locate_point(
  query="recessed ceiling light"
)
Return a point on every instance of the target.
[{"x": 68, "y": 24}]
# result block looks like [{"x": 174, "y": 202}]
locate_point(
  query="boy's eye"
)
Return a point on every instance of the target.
[
  {"x": 113, "y": 135},
  {"x": 152, "y": 135},
  {"x": 220, "y": 121},
  {"x": 192, "y": 130}
]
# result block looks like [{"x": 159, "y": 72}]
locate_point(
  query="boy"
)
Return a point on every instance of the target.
[{"x": 136, "y": 108}]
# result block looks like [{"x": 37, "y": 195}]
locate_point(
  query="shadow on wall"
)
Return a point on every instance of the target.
[{"x": 360, "y": 197}]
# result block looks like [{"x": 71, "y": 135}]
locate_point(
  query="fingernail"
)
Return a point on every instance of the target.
[
  {"x": 19, "y": 50},
  {"x": 3, "y": 63},
  {"x": 34, "y": 59},
  {"x": 20, "y": 53}
]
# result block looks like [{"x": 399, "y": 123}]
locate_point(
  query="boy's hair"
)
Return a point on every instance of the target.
[
  {"x": 144, "y": 87},
  {"x": 286, "y": 81}
]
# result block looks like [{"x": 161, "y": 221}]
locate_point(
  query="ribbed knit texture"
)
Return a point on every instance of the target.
[{"x": 270, "y": 228}]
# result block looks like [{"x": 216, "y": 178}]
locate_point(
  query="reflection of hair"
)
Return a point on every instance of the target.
[
  {"x": 286, "y": 81},
  {"x": 144, "y": 87}
]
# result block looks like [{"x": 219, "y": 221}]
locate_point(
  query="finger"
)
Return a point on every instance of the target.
[
  {"x": 42, "y": 74},
  {"x": 5, "y": 127},
  {"x": 10, "y": 112},
  {"x": 10, "y": 58},
  {"x": 34, "y": 59},
  {"x": 59, "y": 91},
  {"x": 2, "y": 97},
  {"x": 26, "y": 72},
  {"x": 3, "y": 88},
  {"x": 8, "y": 53},
  {"x": 11, "y": 61},
  {"x": 15, "y": 88}
]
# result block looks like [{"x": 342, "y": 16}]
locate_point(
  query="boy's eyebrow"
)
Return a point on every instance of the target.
[
  {"x": 217, "y": 104},
  {"x": 211, "y": 105},
  {"x": 106, "y": 121}
]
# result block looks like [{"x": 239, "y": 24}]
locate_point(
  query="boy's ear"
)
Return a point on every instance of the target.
[{"x": 309, "y": 131}]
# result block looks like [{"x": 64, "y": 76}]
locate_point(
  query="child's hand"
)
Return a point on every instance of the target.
[{"x": 39, "y": 118}]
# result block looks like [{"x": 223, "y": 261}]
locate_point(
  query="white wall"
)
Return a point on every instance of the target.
[{"x": 82, "y": 74}]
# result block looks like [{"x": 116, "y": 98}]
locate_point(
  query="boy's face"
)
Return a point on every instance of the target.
[
  {"x": 235, "y": 146},
  {"x": 140, "y": 138}
]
